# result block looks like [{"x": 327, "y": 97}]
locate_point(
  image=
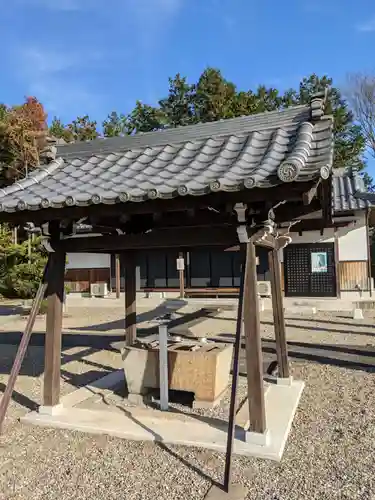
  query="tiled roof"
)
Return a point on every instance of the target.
[
  {"x": 229, "y": 155},
  {"x": 345, "y": 185}
]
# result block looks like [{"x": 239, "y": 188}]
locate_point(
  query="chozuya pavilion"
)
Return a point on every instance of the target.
[{"x": 228, "y": 182}]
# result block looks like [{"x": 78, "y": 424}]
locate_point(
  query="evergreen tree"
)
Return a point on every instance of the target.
[
  {"x": 145, "y": 118},
  {"x": 83, "y": 129},
  {"x": 114, "y": 125},
  {"x": 178, "y": 107},
  {"x": 21, "y": 266},
  {"x": 58, "y": 130}
]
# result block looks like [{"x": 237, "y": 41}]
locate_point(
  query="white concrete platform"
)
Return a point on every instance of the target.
[{"x": 153, "y": 425}]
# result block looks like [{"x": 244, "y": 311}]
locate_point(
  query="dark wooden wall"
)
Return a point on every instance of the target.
[{"x": 79, "y": 280}]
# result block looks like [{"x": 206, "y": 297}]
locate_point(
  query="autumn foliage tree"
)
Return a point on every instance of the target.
[{"x": 23, "y": 131}]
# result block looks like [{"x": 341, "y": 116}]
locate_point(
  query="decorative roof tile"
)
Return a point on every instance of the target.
[
  {"x": 261, "y": 151},
  {"x": 347, "y": 186}
]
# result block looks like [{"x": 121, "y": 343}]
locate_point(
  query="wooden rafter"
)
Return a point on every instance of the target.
[
  {"x": 290, "y": 192},
  {"x": 163, "y": 238}
]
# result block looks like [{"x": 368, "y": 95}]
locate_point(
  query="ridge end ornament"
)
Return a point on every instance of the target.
[
  {"x": 325, "y": 172},
  {"x": 288, "y": 171},
  {"x": 215, "y": 186}
]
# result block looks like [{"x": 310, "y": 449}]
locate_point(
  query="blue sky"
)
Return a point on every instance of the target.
[{"x": 91, "y": 56}]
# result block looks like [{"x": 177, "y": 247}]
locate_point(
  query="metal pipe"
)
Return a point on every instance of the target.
[{"x": 163, "y": 366}]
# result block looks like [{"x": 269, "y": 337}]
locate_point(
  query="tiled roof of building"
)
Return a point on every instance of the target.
[
  {"x": 345, "y": 184},
  {"x": 262, "y": 151}
]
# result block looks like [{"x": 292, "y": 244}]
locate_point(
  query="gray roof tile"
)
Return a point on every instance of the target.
[
  {"x": 345, "y": 185},
  {"x": 229, "y": 155}
]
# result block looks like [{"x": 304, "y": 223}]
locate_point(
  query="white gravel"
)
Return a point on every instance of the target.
[{"x": 330, "y": 453}]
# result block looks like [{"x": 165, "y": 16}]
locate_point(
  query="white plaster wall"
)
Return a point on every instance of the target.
[
  {"x": 353, "y": 242},
  {"x": 88, "y": 261}
]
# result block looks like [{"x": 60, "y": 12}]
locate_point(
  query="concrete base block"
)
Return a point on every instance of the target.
[
  {"x": 284, "y": 381},
  {"x": 200, "y": 368},
  {"x": 357, "y": 314},
  {"x": 199, "y": 404},
  {"x": 97, "y": 387},
  {"x": 154, "y": 425},
  {"x": 50, "y": 410},
  {"x": 257, "y": 438},
  {"x": 138, "y": 399},
  {"x": 236, "y": 492}
]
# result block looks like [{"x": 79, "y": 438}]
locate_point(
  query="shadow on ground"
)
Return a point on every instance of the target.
[{"x": 347, "y": 356}]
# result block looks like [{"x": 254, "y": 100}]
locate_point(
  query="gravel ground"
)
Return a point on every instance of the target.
[
  {"x": 117, "y": 399},
  {"x": 329, "y": 455},
  {"x": 80, "y": 366}
]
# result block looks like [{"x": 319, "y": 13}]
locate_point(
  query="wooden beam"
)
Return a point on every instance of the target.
[
  {"x": 278, "y": 314},
  {"x": 130, "y": 297},
  {"x": 212, "y": 236},
  {"x": 308, "y": 196},
  {"x": 5, "y": 400},
  {"x": 254, "y": 366},
  {"x": 117, "y": 275},
  {"x": 235, "y": 373},
  {"x": 52, "y": 351},
  {"x": 291, "y": 192},
  {"x": 315, "y": 225},
  {"x": 326, "y": 201},
  {"x": 160, "y": 238},
  {"x": 292, "y": 211}
]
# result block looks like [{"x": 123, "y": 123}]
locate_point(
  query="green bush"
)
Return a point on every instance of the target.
[
  {"x": 21, "y": 266},
  {"x": 43, "y": 307}
]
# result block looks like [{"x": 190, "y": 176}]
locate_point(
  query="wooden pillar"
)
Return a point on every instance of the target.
[
  {"x": 337, "y": 262},
  {"x": 254, "y": 363},
  {"x": 5, "y": 400},
  {"x": 52, "y": 353},
  {"x": 117, "y": 275},
  {"x": 91, "y": 279},
  {"x": 368, "y": 238},
  {"x": 278, "y": 314},
  {"x": 130, "y": 297}
]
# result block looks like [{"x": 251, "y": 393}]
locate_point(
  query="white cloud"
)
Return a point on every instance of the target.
[
  {"x": 148, "y": 8},
  {"x": 60, "y": 76},
  {"x": 45, "y": 61},
  {"x": 46, "y": 74},
  {"x": 367, "y": 26},
  {"x": 151, "y": 18},
  {"x": 61, "y": 5}
]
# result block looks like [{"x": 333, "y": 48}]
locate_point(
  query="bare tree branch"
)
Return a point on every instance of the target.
[{"x": 361, "y": 98}]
